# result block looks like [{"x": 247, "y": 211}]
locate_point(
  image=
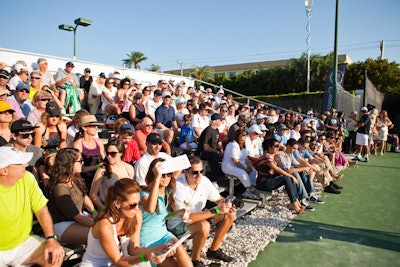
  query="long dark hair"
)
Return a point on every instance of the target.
[
  {"x": 120, "y": 191},
  {"x": 169, "y": 191},
  {"x": 62, "y": 170},
  {"x": 238, "y": 133},
  {"x": 121, "y": 149}
]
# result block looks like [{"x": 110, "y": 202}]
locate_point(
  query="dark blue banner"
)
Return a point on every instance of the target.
[{"x": 328, "y": 95}]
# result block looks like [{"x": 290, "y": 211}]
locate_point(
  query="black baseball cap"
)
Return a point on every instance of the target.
[
  {"x": 22, "y": 125},
  {"x": 154, "y": 138}
]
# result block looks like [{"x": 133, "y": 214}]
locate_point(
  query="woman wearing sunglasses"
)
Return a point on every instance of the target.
[
  {"x": 157, "y": 203},
  {"x": 114, "y": 169},
  {"x": 117, "y": 228},
  {"x": 69, "y": 205},
  {"x": 39, "y": 101}
]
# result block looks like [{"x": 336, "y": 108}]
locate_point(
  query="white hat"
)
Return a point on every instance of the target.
[
  {"x": 221, "y": 91},
  {"x": 166, "y": 94},
  {"x": 116, "y": 76},
  {"x": 201, "y": 88},
  {"x": 152, "y": 84},
  {"x": 180, "y": 100},
  {"x": 261, "y": 116},
  {"x": 263, "y": 127},
  {"x": 137, "y": 82},
  {"x": 364, "y": 109},
  {"x": 310, "y": 113},
  {"x": 20, "y": 67},
  {"x": 10, "y": 156},
  {"x": 254, "y": 128}
]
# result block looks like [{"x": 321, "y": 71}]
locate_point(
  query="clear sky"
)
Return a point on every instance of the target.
[{"x": 207, "y": 32}]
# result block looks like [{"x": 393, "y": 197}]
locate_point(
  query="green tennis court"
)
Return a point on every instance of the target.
[{"x": 359, "y": 227}]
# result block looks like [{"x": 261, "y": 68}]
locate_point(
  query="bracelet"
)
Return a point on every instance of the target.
[
  {"x": 143, "y": 258},
  {"x": 171, "y": 215},
  {"x": 98, "y": 166},
  {"x": 217, "y": 210},
  {"x": 94, "y": 211}
]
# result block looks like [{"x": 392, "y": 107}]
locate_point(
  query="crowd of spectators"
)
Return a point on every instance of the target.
[{"x": 100, "y": 190}]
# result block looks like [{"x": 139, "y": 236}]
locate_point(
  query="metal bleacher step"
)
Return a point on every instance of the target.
[{"x": 248, "y": 206}]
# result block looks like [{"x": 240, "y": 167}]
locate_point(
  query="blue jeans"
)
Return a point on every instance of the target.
[
  {"x": 301, "y": 190},
  {"x": 276, "y": 182}
]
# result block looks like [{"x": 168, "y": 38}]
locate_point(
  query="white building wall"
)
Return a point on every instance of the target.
[{"x": 9, "y": 57}]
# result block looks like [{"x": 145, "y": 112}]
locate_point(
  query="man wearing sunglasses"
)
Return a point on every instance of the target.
[
  {"x": 21, "y": 139},
  {"x": 193, "y": 190},
  {"x": 22, "y": 97}
]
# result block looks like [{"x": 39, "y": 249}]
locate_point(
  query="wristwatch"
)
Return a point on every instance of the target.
[{"x": 51, "y": 236}]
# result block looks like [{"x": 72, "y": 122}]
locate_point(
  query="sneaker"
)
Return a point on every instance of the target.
[
  {"x": 305, "y": 204},
  {"x": 250, "y": 194},
  {"x": 316, "y": 200},
  {"x": 218, "y": 255},
  {"x": 366, "y": 159},
  {"x": 357, "y": 158},
  {"x": 198, "y": 263},
  {"x": 336, "y": 186},
  {"x": 331, "y": 189}
]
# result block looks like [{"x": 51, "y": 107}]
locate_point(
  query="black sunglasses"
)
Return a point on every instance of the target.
[
  {"x": 132, "y": 206},
  {"x": 26, "y": 135},
  {"x": 112, "y": 153},
  {"x": 197, "y": 172},
  {"x": 167, "y": 175}
]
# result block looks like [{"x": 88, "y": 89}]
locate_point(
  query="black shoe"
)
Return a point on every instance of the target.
[
  {"x": 331, "y": 189},
  {"x": 198, "y": 263},
  {"x": 218, "y": 255},
  {"x": 336, "y": 186}
]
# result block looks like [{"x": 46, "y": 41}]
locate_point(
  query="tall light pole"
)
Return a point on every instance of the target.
[
  {"x": 78, "y": 22},
  {"x": 335, "y": 57},
  {"x": 308, "y": 4}
]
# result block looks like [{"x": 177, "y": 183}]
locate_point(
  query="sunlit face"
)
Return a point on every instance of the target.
[
  {"x": 194, "y": 174},
  {"x": 23, "y": 138},
  {"x": 125, "y": 137},
  {"x": 6, "y": 116},
  {"x": 53, "y": 121},
  {"x": 129, "y": 208},
  {"x": 16, "y": 171},
  {"x": 113, "y": 155}
]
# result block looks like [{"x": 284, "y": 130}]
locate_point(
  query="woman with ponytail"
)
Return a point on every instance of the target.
[{"x": 114, "y": 237}]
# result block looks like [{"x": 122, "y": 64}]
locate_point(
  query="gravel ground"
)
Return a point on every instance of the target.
[{"x": 253, "y": 232}]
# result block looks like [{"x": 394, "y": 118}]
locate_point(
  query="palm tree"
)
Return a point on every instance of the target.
[
  {"x": 154, "y": 68},
  {"x": 205, "y": 73},
  {"x": 134, "y": 58}
]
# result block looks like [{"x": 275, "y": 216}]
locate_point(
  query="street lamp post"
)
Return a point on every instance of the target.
[
  {"x": 308, "y": 4},
  {"x": 78, "y": 22}
]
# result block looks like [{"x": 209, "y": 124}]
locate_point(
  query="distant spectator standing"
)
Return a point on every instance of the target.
[{"x": 364, "y": 127}]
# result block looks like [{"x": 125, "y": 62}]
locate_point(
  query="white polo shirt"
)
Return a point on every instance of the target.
[
  {"x": 197, "y": 198},
  {"x": 142, "y": 166}
]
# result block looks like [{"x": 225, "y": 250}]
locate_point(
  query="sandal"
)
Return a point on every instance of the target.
[{"x": 295, "y": 210}]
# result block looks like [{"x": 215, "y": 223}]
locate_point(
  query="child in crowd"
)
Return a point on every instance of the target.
[{"x": 188, "y": 137}]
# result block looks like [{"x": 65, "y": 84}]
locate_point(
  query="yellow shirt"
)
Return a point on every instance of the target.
[
  {"x": 17, "y": 204},
  {"x": 32, "y": 92}
]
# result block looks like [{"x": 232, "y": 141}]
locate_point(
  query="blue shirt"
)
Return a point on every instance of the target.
[
  {"x": 165, "y": 115},
  {"x": 186, "y": 131},
  {"x": 302, "y": 154}
]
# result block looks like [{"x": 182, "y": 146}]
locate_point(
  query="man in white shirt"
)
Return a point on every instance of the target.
[
  {"x": 153, "y": 104},
  {"x": 192, "y": 192},
  {"x": 201, "y": 120},
  {"x": 154, "y": 144}
]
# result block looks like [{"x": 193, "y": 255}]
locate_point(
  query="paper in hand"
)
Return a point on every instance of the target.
[{"x": 175, "y": 164}]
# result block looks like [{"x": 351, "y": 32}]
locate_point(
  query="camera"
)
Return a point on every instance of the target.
[{"x": 235, "y": 202}]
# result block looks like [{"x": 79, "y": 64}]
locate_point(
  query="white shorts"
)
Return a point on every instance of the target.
[
  {"x": 59, "y": 228},
  {"x": 16, "y": 256},
  {"x": 362, "y": 139}
]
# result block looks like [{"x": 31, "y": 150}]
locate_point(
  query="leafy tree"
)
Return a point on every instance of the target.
[
  {"x": 385, "y": 75},
  {"x": 134, "y": 58},
  {"x": 155, "y": 68},
  {"x": 205, "y": 73}
]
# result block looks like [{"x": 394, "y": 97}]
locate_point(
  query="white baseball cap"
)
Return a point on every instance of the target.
[
  {"x": 254, "y": 128},
  {"x": 10, "y": 156}
]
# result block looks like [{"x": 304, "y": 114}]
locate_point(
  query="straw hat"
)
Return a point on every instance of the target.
[{"x": 89, "y": 120}]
